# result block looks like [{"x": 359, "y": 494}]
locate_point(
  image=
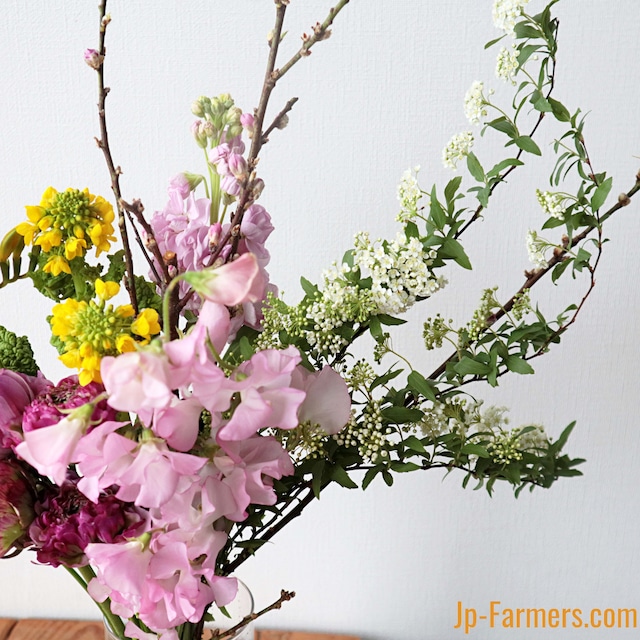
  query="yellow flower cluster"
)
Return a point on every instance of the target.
[
  {"x": 67, "y": 224},
  {"x": 92, "y": 330}
]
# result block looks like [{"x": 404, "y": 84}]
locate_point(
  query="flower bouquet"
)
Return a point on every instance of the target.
[{"x": 207, "y": 411}]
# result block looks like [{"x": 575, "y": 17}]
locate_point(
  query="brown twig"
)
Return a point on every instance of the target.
[
  {"x": 219, "y": 634},
  {"x": 114, "y": 172},
  {"x": 534, "y": 276},
  {"x": 278, "y": 120}
]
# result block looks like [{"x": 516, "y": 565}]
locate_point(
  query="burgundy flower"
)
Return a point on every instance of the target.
[
  {"x": 16, "y": 507},
  {"x": 68, "y": 521},
  {"x": 46, "y": 408}
]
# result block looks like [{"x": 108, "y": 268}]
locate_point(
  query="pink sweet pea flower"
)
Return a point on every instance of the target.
[
  {"x": 249, "y": 470},
  {"x": 152, "y": 474},
  {"x": 178, "y": 423},
  {"x": 51, "y": 449},
  {"x": 327, "y": 402},
  {"x": 267, "y": 397},
  {"x": 232, "y": 283},
  {"x": 137, "y": 380}
]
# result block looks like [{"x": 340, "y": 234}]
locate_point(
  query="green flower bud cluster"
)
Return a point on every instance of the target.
[
  {"x": 368, "y": 433},
  {"x": 220, "y": 116}
]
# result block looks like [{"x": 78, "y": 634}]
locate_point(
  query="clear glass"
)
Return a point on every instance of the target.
[{"x": 237, "y": 610}]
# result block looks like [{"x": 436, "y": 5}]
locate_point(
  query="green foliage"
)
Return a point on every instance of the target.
[{"x": 16, "y": 353}]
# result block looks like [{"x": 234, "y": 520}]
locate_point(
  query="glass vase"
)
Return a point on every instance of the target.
[{"x": 236, "y": 611}]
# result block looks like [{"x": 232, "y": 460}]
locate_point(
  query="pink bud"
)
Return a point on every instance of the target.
[{"x": 93, "y": 58}]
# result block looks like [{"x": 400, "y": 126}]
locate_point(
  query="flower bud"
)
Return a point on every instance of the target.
[
  {"x": 16, "y": 507},
  {"x": 199, "y": 134},
  {"x": 196, "y": 109},
  {"x": 93, "y": 58},
  {"x": 624, "y": 199}
]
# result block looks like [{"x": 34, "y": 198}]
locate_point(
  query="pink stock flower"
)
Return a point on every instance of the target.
[
  {"x": 137, "y": 380},
  {"x": 327, "y": 402}
]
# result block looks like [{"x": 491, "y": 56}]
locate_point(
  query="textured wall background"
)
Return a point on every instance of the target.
[{"x": 383, "y": 94}]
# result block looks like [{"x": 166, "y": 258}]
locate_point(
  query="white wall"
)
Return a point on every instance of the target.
[{"x": 383, "y": 94}]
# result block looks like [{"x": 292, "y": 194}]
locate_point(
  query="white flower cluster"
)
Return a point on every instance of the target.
[
  {"x": 506, "y": 13},
  {"x": 474, "y": 103},
  {"x": 340, "y": 302},
  {"x": 507, "y": 65},
  {"x": 399, "y": 271},
  {"x": 552, "y": 203},
  {"x": 536, "y": 246},
  {"x": 409, "y": 195},
  {"x": 466, "y": 418},
  {"x": 535, "y": 439},
  {"x": 457, "y": 148},
  {"x": 369, "y": 437}
]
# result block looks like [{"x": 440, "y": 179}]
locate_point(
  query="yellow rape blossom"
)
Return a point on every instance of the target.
[
  {"x": 66, "y": 225},
  {"x": 91, "y": 330}
]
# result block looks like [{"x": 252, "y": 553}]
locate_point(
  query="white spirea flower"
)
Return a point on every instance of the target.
[
  {"x": 507, "y": 65},
  {"x": 551, "y": 203},
  {"x": 399, "y": 271},
  {"x": 536, "y": 247},
  {"x": 474, "y": 103},
  {"x": 409, "y": 195},
  {"x": 457, "y": 148},
  {"x": 506, "y": 14}
]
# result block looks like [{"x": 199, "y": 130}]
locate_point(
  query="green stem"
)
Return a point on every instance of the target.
[
  {"x": 216, "y": 194},
  {"x": 84, "y": 575}
]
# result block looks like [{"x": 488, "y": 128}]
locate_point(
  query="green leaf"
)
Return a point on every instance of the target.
[
  {"x": 469, "y": 367},
  {"x": 387, "y": 477},
  {"x": 601, "y": 193},
  {"x": 523, "y": 30},
  {"x": 420, "y": 385},
  {"x": 559, "y": 110},
  {"x": 405, "y": 467},
  {"x": 375, "y": 328},
  {"x": 370, "y": 475},
  {"x": 402, "y": 415},
  {"x": 436, "y": 212},
  {"x": 542, "y": 104},
  {"x": 339, "y": 475},
  {"x": 317, "y": 472},
  {"x": 509, "y": 162},
  {"x": 492, "y": 42},
  {"x": 475, "y": 168},
  {"x": 383, "y": 379},
  {"x": 528, "y": 144},
  {"x": 504, "y": 126},
  {"x": 475, "y": 450},
  {"x": 389, "y": 320},
  {"x": 415, "y": 444},
  {"x": 309, "y": 288},
  {"x": 518, "y": 365},
  {"x": 451, "y": 248},
  {"x": 451, "y": 188}
]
